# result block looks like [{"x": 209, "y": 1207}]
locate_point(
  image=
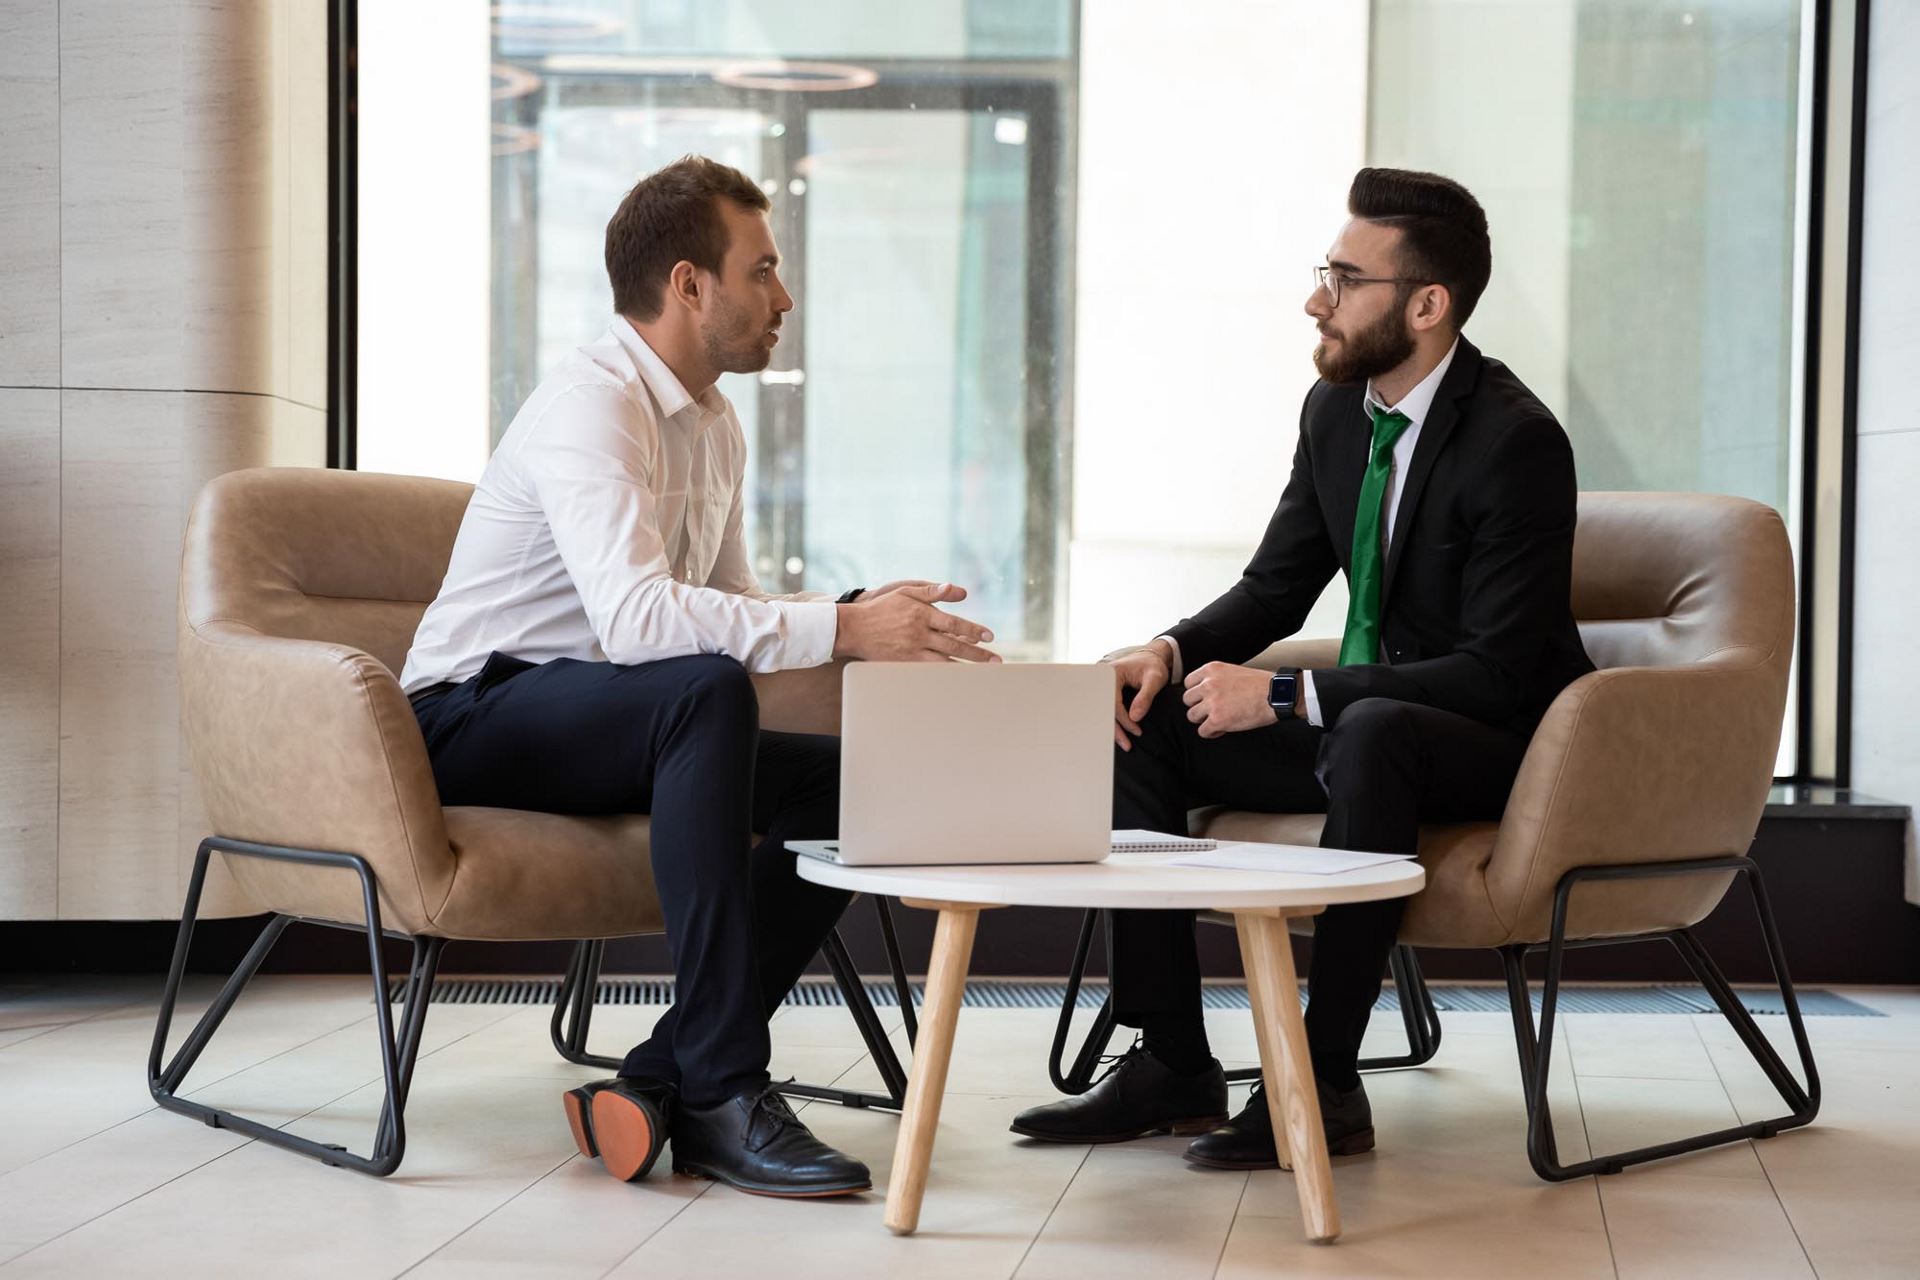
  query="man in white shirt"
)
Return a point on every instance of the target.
[
  {"x": 1445, "y": 491},
  {"x": 589, "y": 652}
]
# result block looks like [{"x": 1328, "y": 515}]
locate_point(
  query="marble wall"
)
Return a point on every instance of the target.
[{"x": 163, "y": 294}]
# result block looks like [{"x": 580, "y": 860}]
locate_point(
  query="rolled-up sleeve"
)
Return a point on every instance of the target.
[{"x": 589, "y": 461}]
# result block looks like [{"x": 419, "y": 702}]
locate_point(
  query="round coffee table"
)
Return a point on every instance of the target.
[{"x": 1261, "y": 903}]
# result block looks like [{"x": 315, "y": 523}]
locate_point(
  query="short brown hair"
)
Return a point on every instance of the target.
[
  {"x": 1443, "y": 230},
  {"x": 672, "y": 215}
]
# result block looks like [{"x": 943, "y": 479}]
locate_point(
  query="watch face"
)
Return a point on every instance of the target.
[{"x": 1283, "y": 691}]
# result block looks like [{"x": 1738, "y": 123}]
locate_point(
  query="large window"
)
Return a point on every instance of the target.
[
  {"x": 1050, "y": 256},
  {"x": 919, "y": 163},
  {"x": 1643, "y": 164}
]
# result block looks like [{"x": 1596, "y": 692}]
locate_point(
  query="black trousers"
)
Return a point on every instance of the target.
[
  {"x": 1383, "y": 768},
  {"x": 680, "y": 740}
]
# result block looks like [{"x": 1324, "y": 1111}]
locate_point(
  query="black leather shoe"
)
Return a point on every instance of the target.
[
  {"x": 1246, "y": 1141},
  {"x": 753, "y": 1141},
  {"x": 1139, "y": 1095},
  {"x": 622, "y": 1121}
]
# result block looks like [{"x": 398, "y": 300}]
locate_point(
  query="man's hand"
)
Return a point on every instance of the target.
[
  {"x": 874, "y": 593},
  {"x": 1145, "y": 670},
  {"x": 1222, "y": 699},
  {"x": 900, "y": 624}
]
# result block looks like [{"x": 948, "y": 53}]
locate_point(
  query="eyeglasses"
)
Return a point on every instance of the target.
[{"x": 1325, "y": 277}]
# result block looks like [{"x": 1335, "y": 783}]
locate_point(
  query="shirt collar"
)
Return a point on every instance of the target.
[
  {"x": 668, "y": 391},
  {"x": 1417, "y": 402}
]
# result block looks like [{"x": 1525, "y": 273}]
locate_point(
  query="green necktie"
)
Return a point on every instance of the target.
[{"x": 1361, "y": 643}]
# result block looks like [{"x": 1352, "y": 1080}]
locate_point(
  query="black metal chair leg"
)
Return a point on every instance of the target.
[
  {"x": 902, "y": 989},
  {"x": 1417, "y": 1014},
  {"x": 1536, "y": 1049},
  {"x": 165, "y": 1076},
  {"x": 892, "y": 1075},
  {"x": 573, "y": 1006},
  {"x": 573, "y": 1016}
]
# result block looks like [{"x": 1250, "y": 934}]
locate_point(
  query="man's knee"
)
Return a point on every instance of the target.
[
  {"x": 1368, "y": 733},
  {"x": 721, "y": 689}
]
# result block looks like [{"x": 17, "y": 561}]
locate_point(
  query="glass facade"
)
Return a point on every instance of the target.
[{"x": 919, "y": 159}]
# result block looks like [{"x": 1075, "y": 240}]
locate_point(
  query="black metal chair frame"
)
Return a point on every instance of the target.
[
  {"x": 399, "y": 1052},
  {"x": 1535, "y": 1046},
  {"x": 1417, "y": 1014},
  {"x": 573, "y": 1016}
]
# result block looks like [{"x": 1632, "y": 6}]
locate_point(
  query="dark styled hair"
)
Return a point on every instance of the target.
[
  {"x": 1443, "y": 230},
  {"x": 672, "y": 215}
]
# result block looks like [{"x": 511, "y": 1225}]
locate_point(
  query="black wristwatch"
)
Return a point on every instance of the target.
[
  {"x": 1283, "y": 692},
  {"x": 849, "y": 597}
]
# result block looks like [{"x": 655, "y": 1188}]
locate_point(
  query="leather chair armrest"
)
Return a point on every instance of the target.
[
  {"x": 1639, "y": 764},
  {"x": 805, "y": 700},
  {"x": 1308, "y": 655},
  {"x": 313, "y": 746}
]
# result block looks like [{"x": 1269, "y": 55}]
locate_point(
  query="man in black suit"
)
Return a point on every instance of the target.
[{"x": 1445, "y": 490}]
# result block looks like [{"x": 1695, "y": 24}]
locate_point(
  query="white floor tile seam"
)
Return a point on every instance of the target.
[
  {"x": 245, "y": 1141},
  {"x": 1052, "y": 1209},
  {"x": 455, "y": 1238},
  {"x": 1586, "y": 1137},
  {"x": 194, "y": 1095},
  {"x": 1759, "y": 1155}
]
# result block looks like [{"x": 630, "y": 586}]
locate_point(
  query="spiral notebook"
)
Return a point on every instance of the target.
[{"x": 1159, "y": 842}]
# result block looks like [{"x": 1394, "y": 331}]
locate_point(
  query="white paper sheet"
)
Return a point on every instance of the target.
[{"x": 1300, "y": 859}]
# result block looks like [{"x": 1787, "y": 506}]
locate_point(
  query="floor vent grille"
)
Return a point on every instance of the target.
[{"x": 993, "y": 993}]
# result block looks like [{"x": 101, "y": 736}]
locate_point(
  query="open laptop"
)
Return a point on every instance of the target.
[{"x": 954, "y": 762}]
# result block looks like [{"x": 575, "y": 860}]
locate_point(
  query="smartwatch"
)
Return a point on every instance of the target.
[
  {"x": 1283, "y": 692},
  {"x": 849, "y": 597}
]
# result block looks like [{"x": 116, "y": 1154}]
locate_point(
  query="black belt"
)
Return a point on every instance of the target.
[{"x": 430, "y": 690}]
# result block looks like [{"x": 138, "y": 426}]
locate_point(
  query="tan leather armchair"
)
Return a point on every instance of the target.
[
  {"x": 300, "y": 591},
  {"x": 1642, "y": 788}
]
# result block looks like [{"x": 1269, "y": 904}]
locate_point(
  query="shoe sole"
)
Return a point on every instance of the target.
[
  {"x": 1179, "y": 1128},
  {"x": 1354, "y": 1144},
  {"x": 626, "y": 1133},
  {"x": 578, "y": 1104},
  {"x": 763, "y": 1189}
]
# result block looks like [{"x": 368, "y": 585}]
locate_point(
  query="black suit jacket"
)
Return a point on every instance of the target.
[{"x": 1476, "y": 613}]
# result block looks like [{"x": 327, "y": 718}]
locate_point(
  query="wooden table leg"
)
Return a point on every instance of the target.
[
  {"x": 1267, "y": 955},
  {"x": 932, "y": 1051}
]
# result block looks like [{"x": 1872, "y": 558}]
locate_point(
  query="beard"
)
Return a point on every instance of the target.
[
  {"x": 733, "y": 339},
  {"x": 1380, "y": 347}
]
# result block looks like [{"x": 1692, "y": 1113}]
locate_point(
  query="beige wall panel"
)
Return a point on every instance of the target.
[
  {"x": 227, "y": 183},
  {"x": 30, "y": 639},
  {"x": 306, "y": 72},
  {"x": 299, "y": 436},
  {"x": 119, "y": 735},
  {"x": 122, "y": 272},
  {"x": 29, "y": 193}
]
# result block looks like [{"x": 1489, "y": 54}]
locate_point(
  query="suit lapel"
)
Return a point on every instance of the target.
[
  {"x": 1341, "y": 466},
  {"x": 1462, "y": 376}
]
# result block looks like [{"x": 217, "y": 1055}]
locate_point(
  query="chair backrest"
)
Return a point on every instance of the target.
[
  {"x": 1686, "y": 603},
  {"x": 347, "y": 557},
  {"x": 1664, "y": 579}
]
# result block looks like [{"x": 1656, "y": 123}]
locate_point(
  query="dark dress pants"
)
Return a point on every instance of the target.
[
  {"x": 680, "y": 740},
  {"x": 1383, "y": 769}
]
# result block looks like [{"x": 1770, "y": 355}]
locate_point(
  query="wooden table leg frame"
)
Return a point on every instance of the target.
[
  {"x": 1273, "y": 986},
  {"x": 1266, "y": 953}
]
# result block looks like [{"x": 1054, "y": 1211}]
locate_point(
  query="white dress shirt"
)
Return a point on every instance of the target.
[
  {"x": 608, "y": 527},
  {"x": 1416, "y": 405}
]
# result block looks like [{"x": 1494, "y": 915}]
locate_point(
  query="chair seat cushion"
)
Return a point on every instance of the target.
[
  {"x": 525, "y": 876},
  {"x": 1454, "y": 910}
]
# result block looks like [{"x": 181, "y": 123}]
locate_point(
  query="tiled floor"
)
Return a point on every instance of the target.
[{"x": 95, "y": 1181}]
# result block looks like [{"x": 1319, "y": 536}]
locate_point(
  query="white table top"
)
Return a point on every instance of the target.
[{"x": 1122, "y": 880}]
